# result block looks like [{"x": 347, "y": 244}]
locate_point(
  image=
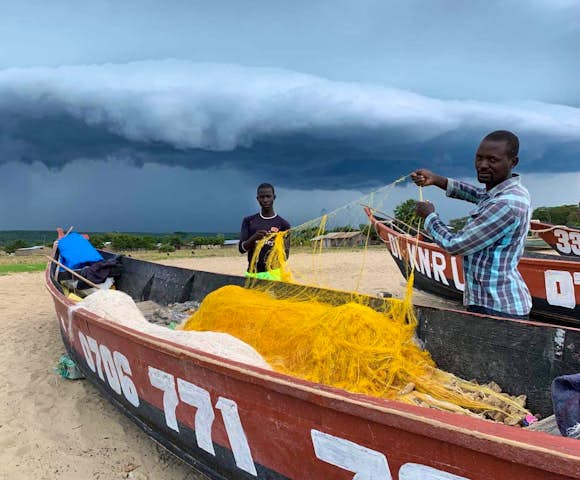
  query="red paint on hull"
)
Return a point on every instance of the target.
[{"x": 278, "y": 414}]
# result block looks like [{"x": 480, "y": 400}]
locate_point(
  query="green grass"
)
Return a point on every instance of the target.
[{"x": 22, "y": 267}]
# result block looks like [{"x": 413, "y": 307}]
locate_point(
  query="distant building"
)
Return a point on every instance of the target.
[
  {"x": 36, "y": 250},
  {"x": 230, "y": 243},
  {"x": 341, "y": 239}
]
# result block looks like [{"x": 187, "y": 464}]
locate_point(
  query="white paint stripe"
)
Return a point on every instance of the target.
[
  {"x": 365, "y": 463},
  {"x": 62, "y": 324},
  {"x": 71, "y": 310},
  {"x": 204, "y": 416},
  {"x": 236, "y": 435}
]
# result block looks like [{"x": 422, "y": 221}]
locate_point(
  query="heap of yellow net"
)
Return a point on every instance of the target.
[{"x": 336, "y": 339}]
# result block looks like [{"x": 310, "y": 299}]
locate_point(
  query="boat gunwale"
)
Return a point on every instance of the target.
[
  {"x": 551, "y": 226},
  {"x": 537, "y": 258}
]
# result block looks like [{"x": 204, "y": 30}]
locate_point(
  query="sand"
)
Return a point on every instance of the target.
[
  {"x": 373, "y": 272},
  {"x": 52, "y": 428}
]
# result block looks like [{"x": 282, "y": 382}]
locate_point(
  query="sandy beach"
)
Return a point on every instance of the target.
[{"x": 52, "y": 428}]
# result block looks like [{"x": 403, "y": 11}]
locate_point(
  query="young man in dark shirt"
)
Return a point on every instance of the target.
[{"x": 256, "y": 227}]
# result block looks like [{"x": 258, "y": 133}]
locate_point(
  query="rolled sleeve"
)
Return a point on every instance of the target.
[
  {"x": 451, "y": 187},
  {"x": 429, "y": 219},
  {"x": 464, "y": 191}
]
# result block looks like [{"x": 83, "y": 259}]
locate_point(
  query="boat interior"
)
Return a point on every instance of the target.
[{"x": 523, "y": 357}]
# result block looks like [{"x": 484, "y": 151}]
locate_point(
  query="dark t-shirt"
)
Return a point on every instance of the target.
[{"x": 251, "y": 225}]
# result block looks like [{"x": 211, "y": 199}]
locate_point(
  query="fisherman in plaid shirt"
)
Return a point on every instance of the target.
[{"x": 492, "y": 241}]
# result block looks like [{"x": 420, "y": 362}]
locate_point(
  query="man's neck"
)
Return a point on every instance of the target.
[
  {"x": 489, "y": 186},
  {"x": 268, "y": 212}
]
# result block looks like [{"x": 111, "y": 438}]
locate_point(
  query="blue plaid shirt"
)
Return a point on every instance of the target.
[{"x": 491, "y": 243}]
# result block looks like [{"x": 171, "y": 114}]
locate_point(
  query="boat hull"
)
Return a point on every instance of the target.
[
  {"x": 234, "y": 421},
  {"x": 553, "y": 282},
  {"x": 562, "y": 239}
]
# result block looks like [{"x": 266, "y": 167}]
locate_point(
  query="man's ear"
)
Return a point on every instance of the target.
[{"x": 515, "y": 161}]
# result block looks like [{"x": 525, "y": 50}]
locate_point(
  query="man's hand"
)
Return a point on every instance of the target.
[
  {"x": 250, "y": 242},
  {"x": 424, "y": 178},
  {"x": 423, "y": 209},
  {"x": 258, "y": 236}
]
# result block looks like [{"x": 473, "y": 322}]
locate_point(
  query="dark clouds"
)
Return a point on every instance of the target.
[
  {"x": 301, "y": 131},
  {"x": 180, "y": 145},
  {"x": 173, "y": 145},
  {"x": 114, "y": 195}
]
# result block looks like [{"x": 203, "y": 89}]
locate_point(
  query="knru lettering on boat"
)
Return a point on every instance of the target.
[{"x": 430, "y": 263}]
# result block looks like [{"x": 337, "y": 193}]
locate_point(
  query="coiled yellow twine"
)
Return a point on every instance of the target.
[{"x": 343, "y": 343}]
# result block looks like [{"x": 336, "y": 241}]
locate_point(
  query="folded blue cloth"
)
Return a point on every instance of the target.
[
  {"x": 566, "y": 401},
  {"x": 77, "y": 252}
]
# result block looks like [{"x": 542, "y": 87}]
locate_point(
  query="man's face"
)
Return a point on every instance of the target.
[
  {"x": 265, "y": 197},
  {"x": 492, "y": 163}
]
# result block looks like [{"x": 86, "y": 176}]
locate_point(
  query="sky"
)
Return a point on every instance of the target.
[{"x": 165, "y": 116}]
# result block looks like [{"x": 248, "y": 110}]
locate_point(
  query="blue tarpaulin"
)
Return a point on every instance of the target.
[{"x": 77, "y": 252}]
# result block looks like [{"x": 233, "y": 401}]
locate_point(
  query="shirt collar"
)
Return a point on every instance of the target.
[{"x": 501, "y": 187}]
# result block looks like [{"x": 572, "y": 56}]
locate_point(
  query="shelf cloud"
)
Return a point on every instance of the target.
[{"x": 302, "y": 130}]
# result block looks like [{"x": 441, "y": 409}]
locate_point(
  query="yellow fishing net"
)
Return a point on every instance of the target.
[{"x": 347, "y": 340}]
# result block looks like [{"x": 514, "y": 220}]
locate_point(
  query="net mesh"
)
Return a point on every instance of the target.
[{"x": 342, "y": 338}]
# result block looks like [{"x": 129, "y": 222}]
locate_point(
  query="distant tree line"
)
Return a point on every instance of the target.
[
  {"x": 126, "y": 241},
  {"x": 30, "y": 237},
  {"x": 561, "y": 215},
  {"x": 10, "y": 241}
]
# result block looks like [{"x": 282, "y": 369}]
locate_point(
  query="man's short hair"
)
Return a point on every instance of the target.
[
  {"x": 265, "y": 185},
  {"x": 513, "y": 143}
]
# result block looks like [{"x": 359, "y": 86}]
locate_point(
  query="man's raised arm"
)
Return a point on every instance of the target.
[
  {"x": 453, "y": 188},
  {"x": 424, "y": 178}
]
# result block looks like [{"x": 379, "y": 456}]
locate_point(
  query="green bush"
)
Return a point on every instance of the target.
[
  {"x": 457, "y": 224},
  {"x": 405, "y": 212},
  {"x": 560, "y": 215},
  {"x": 217, "y": 240},
  {"x": 15, "y": 245},
  {"x": 166, "y": 248}
]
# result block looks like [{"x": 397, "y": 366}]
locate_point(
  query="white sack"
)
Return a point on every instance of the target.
[{"x": 118, "y": 307}]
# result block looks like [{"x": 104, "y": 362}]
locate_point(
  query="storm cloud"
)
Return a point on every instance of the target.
[{"x": 305, "y": 131}]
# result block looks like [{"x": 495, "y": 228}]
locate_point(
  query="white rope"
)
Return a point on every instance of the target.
[
  {"x": 384, "y": 189},
  {"x": 552, "y": 227},
  {"x": 574, "y": 431}
]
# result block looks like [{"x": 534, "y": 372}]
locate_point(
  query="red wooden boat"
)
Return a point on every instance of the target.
[
  {"x": 564, "y": 240},
  {"x": 554, "y": 282},
  {"x": 234, "y": 421}
]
